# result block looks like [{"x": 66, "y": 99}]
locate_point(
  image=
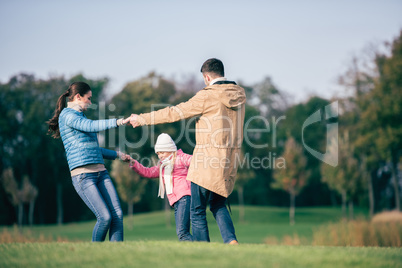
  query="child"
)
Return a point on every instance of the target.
[{"x": 172, "y": 172}]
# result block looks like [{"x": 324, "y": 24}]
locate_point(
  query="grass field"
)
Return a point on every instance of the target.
[
  {"x": 151, "y": 243},
  {"x": 260, "y": 223},
  {"x": 176, "y": 254}
]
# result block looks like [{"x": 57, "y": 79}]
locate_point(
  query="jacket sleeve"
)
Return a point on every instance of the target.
[
  {"x": 108, "y": 154},
  {"x": 84, "y": 124},
  {"x": 186, "y": 159},
  {"x": 192, "y": 107},
  {"x": 152, "y": 172}
]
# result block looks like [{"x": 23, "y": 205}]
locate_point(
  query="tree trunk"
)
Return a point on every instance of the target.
[
  {"x": 130, "y": 213},
  {"x": 344, "y": 205},
  {"x": 167, "y": 213},
  {"x": 369, "y": 180},
  {"x": 31, "y": 212},
  {"x": 351, "y": 216},
  {"x": 371, "y": 194},
  {"x": 395, "y": 178},
  {"x": 20, "y": 213},
  {"x": 292, "y": 208},
  {"x": 59, "y": 200},
  {"x": 241, "y": 203}
]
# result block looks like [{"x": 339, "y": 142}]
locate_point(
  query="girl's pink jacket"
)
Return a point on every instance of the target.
[{"x": 181, "y": 186}]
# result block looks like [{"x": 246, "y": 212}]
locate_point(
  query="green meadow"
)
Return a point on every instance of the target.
[
  {"x": 266, "y": 240},
  {"x": 260, "y": 223},
  {"x": 176, "y": 254}
]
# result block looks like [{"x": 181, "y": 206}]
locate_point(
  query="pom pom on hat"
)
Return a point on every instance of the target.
[{"x": 164, "y": 143}]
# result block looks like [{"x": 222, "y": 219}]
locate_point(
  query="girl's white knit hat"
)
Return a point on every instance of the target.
[{"x": 164, "y": 143}]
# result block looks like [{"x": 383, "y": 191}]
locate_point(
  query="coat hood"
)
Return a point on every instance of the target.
[{"x": 231, "y": 95}]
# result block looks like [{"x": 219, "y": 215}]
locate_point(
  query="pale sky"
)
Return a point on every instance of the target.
[{"x": 302, "y": 45}]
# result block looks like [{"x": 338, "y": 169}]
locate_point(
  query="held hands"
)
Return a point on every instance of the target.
[
  {"x": 134, "y": 120},
  {"x": 124, "y": 157},
  {"x": 126, "y": 121}
]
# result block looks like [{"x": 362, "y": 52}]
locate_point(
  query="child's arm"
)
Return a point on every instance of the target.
[{"x": 152, "y": 172}]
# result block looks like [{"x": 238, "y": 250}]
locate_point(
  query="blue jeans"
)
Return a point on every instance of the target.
[
  {"x": 182, "y": 217},
  {"x": 199, "y": 198},
  {"x": 97, "y": 191}
]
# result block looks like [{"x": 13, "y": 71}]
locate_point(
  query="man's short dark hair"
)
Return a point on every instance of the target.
[{"x": 213, "y": 66}]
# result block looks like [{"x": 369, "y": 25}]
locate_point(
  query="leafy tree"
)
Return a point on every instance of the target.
[
  {"x": 358, "y": 81},
  {"x": 144, "y": 95},
  {"x": 265, "y": 107},
  {"x": 29, "y": 194},
  {"x": 315, "y": 136},
  {"x": 381, "y": 113},
  {"x": 20, "y": 195},
  {"x": 386, "y": 107},
  {"x": 11, "y": 188},
  {"x": 346, "y": 177},
  {"x": 294, "y": 176},
  {"x": 25, "y": 103},
  {"x": 269, "y": 98}
]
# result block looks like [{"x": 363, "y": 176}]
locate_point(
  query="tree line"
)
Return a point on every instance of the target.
[{"x": 342, "y": 151}]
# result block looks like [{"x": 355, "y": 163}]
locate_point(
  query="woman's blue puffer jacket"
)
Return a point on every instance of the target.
[{"x": 80, "y": 140}]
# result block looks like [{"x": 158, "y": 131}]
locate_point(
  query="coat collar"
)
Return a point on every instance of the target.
[{"x": 217, "y": 80}]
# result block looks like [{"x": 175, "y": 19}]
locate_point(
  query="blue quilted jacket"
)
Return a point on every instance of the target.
[{"x": 79, "y": 136}]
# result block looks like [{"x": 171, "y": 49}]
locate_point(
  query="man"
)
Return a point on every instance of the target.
[{"x": 219, "y": 135}]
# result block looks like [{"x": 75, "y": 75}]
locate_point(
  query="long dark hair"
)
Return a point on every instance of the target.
[{"x": 74, "y": 89}]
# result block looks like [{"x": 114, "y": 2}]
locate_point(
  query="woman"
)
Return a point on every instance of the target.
[{"x": 85, "y": 159}]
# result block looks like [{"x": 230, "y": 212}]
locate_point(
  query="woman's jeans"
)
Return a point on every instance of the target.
[
  {"x": 199, "y": 199},
  {"x": 97, "y": 191},
  {"x": 182, "y": 217}
]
